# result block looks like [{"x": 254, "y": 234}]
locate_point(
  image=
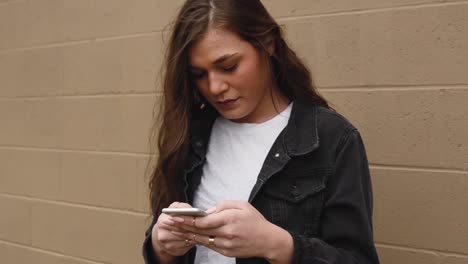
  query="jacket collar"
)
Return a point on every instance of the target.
[{"x": 300, "y": 135}]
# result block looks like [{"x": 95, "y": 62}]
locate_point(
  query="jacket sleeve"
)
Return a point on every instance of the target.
[
  {"x": 148, "y": 251},
  {"x": 346, "y": 234}
]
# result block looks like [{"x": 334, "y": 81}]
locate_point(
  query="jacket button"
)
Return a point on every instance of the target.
[
  {"x": 277, "y": 155},
  {"x": 198, "y": 144},
  {"x": 295, "y": 192}
]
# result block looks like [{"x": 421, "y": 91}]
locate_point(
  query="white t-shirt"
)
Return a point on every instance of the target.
[{"x": 236, "y": 153}]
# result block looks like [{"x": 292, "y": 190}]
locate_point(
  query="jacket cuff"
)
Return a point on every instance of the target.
[
  {"x": 297, "y": 251},
  {"x": 148, "y": 251},
  {"x": 304, "y": 248}
]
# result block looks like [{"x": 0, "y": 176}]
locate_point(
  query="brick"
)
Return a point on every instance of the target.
[
  {"x": 293, "y": 8},
  {"x": 14, "y": 254},
  {"x": 423, "y": 46},
  {"x": 400, "y": 255},
  {"x": 30, "y": 173},
  {"x": 454, "y": 259},
  {"x": 112, "y": 66},
  {"x": 30, "y": 123},
  {"x": 31, "y": 73},
  {"x": 118, "y": 181},
  {"x": 52, "y": 21},
  {"x": 97, "y": 235},
  {"x": 12, "y": 25},
  {"x": 98, "y": 123},
  {"x": 416, "y": 46},
  {"x": 124, "y": 17},
  {"x": 107, "y": 123},
  {"x": 13, "y": 117},
  {"x": 331, "y": 50},
  {"x": 142, "y": 179},
  {"x": 15, "y": 220},
  {"x": 421, "y": 209},
  {"x": 427, "y": 128},
  {"x": 102, "y": 180}
]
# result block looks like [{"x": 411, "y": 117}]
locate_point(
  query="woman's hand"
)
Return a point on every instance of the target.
[
  {"x": 167, "y": 245},
  {"x": 237, "y": 229}
]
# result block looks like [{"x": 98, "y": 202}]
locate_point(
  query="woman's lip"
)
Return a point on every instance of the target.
[
  {"x": 227, "y": 101},
  {"x": 228, "y": 104}
]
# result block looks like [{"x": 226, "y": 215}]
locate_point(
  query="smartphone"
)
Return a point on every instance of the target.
[{"x": 184, "y": 211}]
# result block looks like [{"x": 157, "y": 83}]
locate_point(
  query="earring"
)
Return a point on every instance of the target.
[{"x": 197, "y": 97}]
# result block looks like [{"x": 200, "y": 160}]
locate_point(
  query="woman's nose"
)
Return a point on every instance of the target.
[{"x": 217, "y": 85}]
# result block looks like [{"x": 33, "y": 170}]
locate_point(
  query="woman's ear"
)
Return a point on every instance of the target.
[
  {"x": 198, "y": 98},
  {"x": 270, "y": 46}
]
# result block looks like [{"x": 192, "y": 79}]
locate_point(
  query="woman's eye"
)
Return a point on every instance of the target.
[
  {"x": 197, "y": 75},
  {"x": 230, "y": 68}
]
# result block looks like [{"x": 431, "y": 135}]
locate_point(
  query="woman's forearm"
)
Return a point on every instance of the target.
[
  {"x": 163, "y": 257},
  {"x": 280, "y": 247}
]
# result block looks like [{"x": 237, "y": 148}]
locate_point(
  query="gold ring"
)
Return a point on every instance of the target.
[
  {"x": 187, "y": 242},
  {"x": 193, "y": 221},
  {"x": 211, "y": 241}
]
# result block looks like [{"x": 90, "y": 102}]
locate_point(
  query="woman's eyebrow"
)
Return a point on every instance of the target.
[
  {"x": 218, "y": 60},
  {"x": 224, "y": 58}
]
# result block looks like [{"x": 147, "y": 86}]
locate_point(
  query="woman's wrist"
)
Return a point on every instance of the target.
[
  {"x": 162, "y": 256},
  {"x": 280, "y": 248}
]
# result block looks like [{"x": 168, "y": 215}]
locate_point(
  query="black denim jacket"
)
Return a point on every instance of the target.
[{"x": 314, "y": 183}]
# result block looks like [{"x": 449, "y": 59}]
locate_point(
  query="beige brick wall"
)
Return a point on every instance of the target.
[{"x": 76, "y": 98}]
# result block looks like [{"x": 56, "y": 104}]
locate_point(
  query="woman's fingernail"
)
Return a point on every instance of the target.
[
  {"x": 177, "y": 233},
  {"x": 211, "y": 210},
  {"x": 178, "y": 219},
  {"x": 168, "y": 222}
]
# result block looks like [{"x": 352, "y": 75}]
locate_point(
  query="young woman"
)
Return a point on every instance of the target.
[{"x": 245, "y": 136}]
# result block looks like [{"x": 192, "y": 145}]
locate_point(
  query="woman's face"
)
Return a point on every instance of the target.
[{"x": 232, "y": 77}]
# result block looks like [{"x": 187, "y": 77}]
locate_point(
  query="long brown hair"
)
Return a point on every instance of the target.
[{"x": 252, "y": 22}]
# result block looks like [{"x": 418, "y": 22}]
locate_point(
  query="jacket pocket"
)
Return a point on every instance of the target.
[
  {"x": 296, "y": 198},
  {"x": 296, "y": 185}
]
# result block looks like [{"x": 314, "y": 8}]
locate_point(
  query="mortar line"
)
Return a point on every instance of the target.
[
  {"x": 82, "y": 96},
  {"x": 88, "y": 40},
  {"x": 46, "y": 46},
  {"x": 93, "y": 152},
  {"x": 457, "y": 255},
  {"x": 366, "y": 11},
  {"x": 426, "y": 250},
  {"x": 372, "y": 88},
  {"x": 9, "y": 2},
  {"x": 49, "y": 252},
  {"x": 76, "y": 205},
  {"x": 417, "y": 168},
  {"x": 406, "y": 248},
  {"x": 147, "y": 155},
  {"x": 391, "y": 88}
]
